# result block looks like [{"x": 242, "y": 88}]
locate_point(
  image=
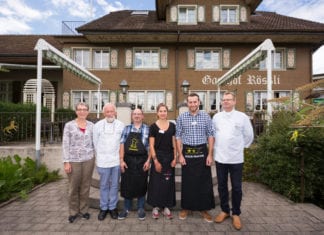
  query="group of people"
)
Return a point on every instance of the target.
[{"x": 126, "y": 154}]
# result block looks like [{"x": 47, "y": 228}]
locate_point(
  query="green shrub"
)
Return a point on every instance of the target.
[
  {"x": 274, "y": 162},
  {"x": 17, "y": 178}
]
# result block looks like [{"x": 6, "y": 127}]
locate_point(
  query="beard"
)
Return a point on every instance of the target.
[{"x": 110, "y": 119}]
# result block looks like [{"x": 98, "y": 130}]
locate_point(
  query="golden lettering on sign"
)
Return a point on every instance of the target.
[{"x": 250, "y": 80}]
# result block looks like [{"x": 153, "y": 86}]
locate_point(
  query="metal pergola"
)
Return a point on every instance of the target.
[
  {"x": 264, "y": 50},
  {"x": 44, "y": 49}
]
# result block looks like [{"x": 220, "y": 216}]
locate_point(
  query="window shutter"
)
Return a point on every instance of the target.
[
  {"x": 215, "y": 13},
  {"x": 114, "y": 58},
  {"x": 128, "y": 58},
  {"x": 249, "y": 106},
  {"x": 226, "y": 58},
  {"x": 201, "y": 13},
  {"x": 191, "y": 58},
  {"x": 164, "y": 58},
  {"x": 173, "y": 14},
  {"x": 67, "y": 52},
  {"x": 169, "y": 100},
  {"x": 243, "y": 14},
  {"x": 291, "y": 58}
]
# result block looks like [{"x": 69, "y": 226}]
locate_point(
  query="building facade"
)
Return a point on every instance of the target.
[{"x": 159, "y": 56}]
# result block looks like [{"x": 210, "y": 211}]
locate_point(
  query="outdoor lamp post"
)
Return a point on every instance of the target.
[{"x": 185, "y": 87}]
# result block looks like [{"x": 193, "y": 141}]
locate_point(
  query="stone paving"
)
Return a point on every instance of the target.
[{"x": 263, "y": 212}]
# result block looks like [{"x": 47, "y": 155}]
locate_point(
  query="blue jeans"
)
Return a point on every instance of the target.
[
  {"x": 109, "y": 180},
  {"x": 128, "y": 203},
  {"x": 235, "y": 172}
]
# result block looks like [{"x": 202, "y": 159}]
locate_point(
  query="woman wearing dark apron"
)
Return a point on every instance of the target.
[
  {"x": 134, "y": 164},
  {"x": 161, "y": 189}
]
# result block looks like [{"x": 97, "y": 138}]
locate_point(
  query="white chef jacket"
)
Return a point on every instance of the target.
[
  {"x": 106, "y": 140},
  {"x": 233, "y": 133}
]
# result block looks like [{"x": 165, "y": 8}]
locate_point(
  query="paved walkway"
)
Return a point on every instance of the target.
[{"x": 263, "y": 212}]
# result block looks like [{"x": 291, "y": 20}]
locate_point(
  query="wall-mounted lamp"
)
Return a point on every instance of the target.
[
  {"x": 124, "y": 86},
  {"x": 185, "y": 87}
]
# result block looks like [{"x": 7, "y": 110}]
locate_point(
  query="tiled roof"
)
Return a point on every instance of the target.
[
  {"x": 124, "y": 21},
  {"x": 20, "y": 48},
  {"x": 24, "y": 44}
]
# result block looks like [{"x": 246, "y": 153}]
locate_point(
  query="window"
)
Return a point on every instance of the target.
[
  {"x": 80, "y": 96},
  {"x": 229, "y": 15},
  {"x": 146, "y": 100},
  {"x": 146, "y": 59},
  {"x": 91, "y": 98},
  {"x": 93, "y": 58},
  {"x": 136, "y": 98},
  {"x": 102, "y": 97},
  {"x": 100, "y": 59},
  {"x": 187, "y": 15},
  {"x": 277, "y": 60},
  {"x": 207, "y": 59},
  {"x": 281, "y": 94},
  {"x": 208, "y": 100},
  {"x": 153, "y": 99},
  {"x": 212, "y": 104},
  {"x": 82, "y": 57},
  {"x": 260, "y": 100}
]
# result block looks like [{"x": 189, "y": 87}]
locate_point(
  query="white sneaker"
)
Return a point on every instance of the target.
[
  {"x": 155, "y": 213},
  {"x": 167, "y": 213}
]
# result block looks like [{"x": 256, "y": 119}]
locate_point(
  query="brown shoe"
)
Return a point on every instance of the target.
[
  {"x": 183, "y": 214},
  {"x": 221, "y": 217},
  {"x": 237, "y": 222},
  {"x": 207, "y": 217}
]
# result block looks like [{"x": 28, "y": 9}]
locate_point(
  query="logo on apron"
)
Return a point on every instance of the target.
[{"x": 133, "y": 145}]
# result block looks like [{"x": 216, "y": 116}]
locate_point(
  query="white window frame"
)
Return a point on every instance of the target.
[
  {"x": 208, "y": 99},
  {"x": 278, "y": 60},
  {"x": 136, "y": 99},
  {"x": 186, "y": 20},
  {"x": 104, "y": 60},
  {"x": 84, "y": 58},
  {"x": 153, "y": 99},
  {"x": 89, "y": 97},
  {"x": 201, "y": 60},
  {"x": 260, "y": 99},
  {"x": 280, "y": 94},
  {"x": 142, "y": 99},
  {"x": 149, "y": 58},
  {"x": 227, "y": 17}
]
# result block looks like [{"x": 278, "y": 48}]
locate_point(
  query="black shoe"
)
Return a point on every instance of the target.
[
  {"x": 72, "y": 218},
  {"x": 86, "y": 216},
  {"x": 114, "y": 213},
  {"x": 102, "y": 214}
]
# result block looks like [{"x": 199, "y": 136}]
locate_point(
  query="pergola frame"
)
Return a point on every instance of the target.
[
  {"x": 264, "y": 50},
  {"x": 44, "y": 49}
]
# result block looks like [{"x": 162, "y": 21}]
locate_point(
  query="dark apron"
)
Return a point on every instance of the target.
[
  {"x": 162, "y": 185},
  {"x": 196, "y": 183},
  {"x": 134, "y": 179}
]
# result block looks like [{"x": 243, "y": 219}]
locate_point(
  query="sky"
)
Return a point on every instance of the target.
[{"x": 46, "y": 16}]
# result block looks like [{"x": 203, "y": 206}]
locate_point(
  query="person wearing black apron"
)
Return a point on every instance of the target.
[
  {"x": 194, "y": 131},
  {"x": 134, "y": 163},
  {"x": 161, "y": 187}
]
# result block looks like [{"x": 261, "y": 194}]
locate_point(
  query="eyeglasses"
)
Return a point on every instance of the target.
[
  {"x": 84, "y": 110},
  {"x": 223, "y": 100}
]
